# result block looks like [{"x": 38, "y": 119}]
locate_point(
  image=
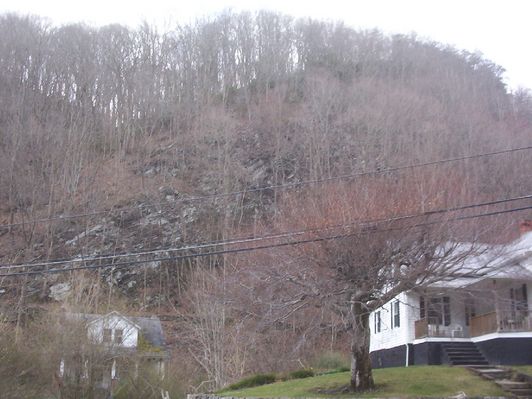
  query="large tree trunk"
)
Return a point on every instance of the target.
[{"x": 361, "y": 374}]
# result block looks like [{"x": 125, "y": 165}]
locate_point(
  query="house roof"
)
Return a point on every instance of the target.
[
  {"x": 113, "y": 313},
  {"x": 512, "y": 261},
  {"x": 150, "y": 327}
]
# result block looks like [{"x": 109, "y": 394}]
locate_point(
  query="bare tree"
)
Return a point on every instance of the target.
[
  {"x": 237, "y": 101},
  {"x": 218, "y": 338},
  {"x": 357, "y": 267}
]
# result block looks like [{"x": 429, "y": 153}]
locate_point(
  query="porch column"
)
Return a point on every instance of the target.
[{"x": 497, "y": 305}]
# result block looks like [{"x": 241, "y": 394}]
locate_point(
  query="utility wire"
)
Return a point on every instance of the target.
[
  {"x": 276, "y": 186},
  {"x": 243, "y": 240},
  {"x": 122, "y": 265}
]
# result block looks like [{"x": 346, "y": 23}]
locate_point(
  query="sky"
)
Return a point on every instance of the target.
[{"x": 500, "y": 30}]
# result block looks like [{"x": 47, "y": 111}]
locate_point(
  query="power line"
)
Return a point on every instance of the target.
[
  {"x": 243, "y": 240},
  {"x": 122, "y": 265},
  {"x": 275, "y": 186}
]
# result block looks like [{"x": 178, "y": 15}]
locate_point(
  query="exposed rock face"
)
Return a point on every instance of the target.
[
  {"x": 132, "y": 245},
  {"x": 60, "y": 291},
  {"x": 84, "y": 234},
  {"x": 167, "y": 220},
  {"x": 169, "y": 194}
]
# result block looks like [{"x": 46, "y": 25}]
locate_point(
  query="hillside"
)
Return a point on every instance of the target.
[{"x": 120, "y": 148}]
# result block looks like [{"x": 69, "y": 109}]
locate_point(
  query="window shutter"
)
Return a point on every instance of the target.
[{"x": 377, "y": 322}]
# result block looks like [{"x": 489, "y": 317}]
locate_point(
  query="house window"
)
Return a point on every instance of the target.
[
  {"x": 377, "y": 322},
  {"x": 439, "y": 311},
  {"x": 118, "y": 336},
  {"x": 107, "y": 334},
  {"x": 396, "y": 314}
]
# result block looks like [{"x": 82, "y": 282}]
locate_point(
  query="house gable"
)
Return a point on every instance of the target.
[
  {"x": 396, "y": 320},
  {"x": 113, "y": 328}
]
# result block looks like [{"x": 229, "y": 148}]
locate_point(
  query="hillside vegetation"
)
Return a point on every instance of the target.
[
  {"x": 92, "y": 118},
  {"x": 128, "y": 141}
]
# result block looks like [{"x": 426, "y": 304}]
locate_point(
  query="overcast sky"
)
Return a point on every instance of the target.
[{"x": 501, "y": 30}]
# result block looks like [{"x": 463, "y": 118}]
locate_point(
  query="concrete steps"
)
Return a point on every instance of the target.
[
  {"x": 463, "y": 354},
  {"x": 492, "y": 373},
  {"x": 508, "y": 381},
  {"x": 524, "y": 391}
]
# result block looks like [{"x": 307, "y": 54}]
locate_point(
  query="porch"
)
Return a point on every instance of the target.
[
  {"x": 492, "y": 306},
  {"x": 487, "y": 323}
]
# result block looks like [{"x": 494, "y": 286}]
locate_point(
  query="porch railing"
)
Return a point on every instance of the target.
[
  {"x": 421, "y": 328},
  {"x": 479, "y": 325},
  {"x": 504, "y": 322},
  {"x": 518, "y": 320},
  {"x": 483, "y": 324}
]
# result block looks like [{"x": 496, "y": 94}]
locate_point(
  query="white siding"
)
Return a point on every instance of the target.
[
  {"x": 114, "y": 322},
  {"x": 390, "y": 336}
]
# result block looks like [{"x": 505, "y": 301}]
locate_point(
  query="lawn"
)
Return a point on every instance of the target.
[
  {"x": 524, "y": 369},
  {"x": 401, "y": 382}
]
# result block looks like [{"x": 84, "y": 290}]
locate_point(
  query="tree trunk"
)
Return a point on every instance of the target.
[{"x": 361, "y": 373}]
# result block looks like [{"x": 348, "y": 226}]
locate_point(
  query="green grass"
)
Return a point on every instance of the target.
[
  {"x": 401, "y": 382},
  {"x": 524, "y": 369},
  {"x": 253, "y": 381},
  {"x": 331, "y": 360},
  {"x": 301, "y": 373}
]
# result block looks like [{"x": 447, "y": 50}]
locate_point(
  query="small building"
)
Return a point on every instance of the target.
[
  {"x": 112, "y": 347},
  {"x": 479, "y": 319}
]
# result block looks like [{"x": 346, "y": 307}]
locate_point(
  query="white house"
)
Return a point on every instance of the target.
[
  {"x": 471, "y": 320},
  {"x": 112, "y": 346},
  {"x": 113, "y": 328}
]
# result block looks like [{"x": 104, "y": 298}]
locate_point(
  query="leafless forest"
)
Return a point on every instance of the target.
[{"x": 116, "y": 143}]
